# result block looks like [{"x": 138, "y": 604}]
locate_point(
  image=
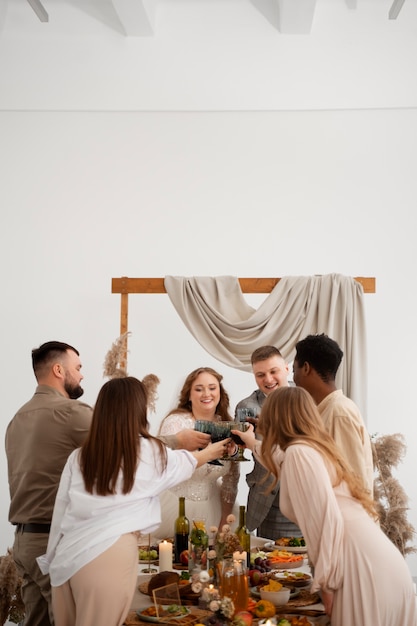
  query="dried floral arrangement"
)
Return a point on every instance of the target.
[
  {"x": 390, "y": 498},
  {"x": 113, "y": 360},
  {"x": 223, "y": 543},
  {"x": 11, "y": 605},
  {"x": 112, "y": 369}
]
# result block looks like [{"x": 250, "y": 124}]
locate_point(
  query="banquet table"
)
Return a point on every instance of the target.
[{"x": 141, "y": 601}]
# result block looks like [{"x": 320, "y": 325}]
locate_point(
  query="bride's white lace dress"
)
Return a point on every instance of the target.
[{"x": 210, "y": 488}]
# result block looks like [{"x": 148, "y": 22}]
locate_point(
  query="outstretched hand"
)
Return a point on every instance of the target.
[
  {"x": 248, "y": 436},
  {"x": 211, "y": 452},
  {"x": 189, "y": 439}
]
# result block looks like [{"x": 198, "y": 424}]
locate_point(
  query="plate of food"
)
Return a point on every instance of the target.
[
  {"x": 283, "y": 559},
  {"x": 297, "y": 545},
  {"x": 167, "y": 612},
  {"x": 294, "y": 579}
]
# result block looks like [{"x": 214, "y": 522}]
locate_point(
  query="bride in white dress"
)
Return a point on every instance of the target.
[{"x": 210, "y": 493}]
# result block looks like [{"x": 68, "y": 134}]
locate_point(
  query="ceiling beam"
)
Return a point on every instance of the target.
[
  {"x": 39, "y": 10},
  {"x": 296, "y": 16},
  {"x": 395, "y": 9},
  {"x": 136, "y": 16}
]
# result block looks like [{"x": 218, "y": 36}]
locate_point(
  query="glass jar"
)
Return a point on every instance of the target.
[
  {"x": 198, "y": 546},
  {"x": 234, "y": 583}
]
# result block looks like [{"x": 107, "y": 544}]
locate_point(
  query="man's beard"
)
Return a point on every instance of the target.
[{"x": 73, "y": 391}]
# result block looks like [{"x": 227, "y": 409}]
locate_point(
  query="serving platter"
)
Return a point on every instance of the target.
[
  {"x": 164, "y": 619},
  {"x": 282, "y": 559},
  {"x": 280, "y": 566},
  {"x": 296, "y": 579},
  {"x": 271, "y": 545}
]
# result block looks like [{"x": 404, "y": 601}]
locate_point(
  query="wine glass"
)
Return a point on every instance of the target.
[
  {"x": 222, "y": 430},
  {"x": 216, "y": 434},
  {"x": 242, "y": 416}
]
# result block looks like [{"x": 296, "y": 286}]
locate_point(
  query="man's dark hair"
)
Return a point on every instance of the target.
[
  {"x": 49, "y": 352},
  {"x": 321, "y": 353},
  {"x": 263, "y": 353}
]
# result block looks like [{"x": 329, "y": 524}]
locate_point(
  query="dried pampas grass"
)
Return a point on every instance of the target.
[
  {"x": 113, "y": 369},
  {"x": 114, "y": 356},
  {"x": 11, "y": 605},
  {"x": 151, "y": 382},
  {"x": 390, "y": 498}
]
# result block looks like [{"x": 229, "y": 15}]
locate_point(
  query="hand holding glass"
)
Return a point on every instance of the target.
[
  {"x": 242, "y": 417},
  {"x": 218, "y": 432}
]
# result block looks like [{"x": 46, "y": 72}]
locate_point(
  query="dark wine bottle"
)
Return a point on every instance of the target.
[
  {"x": 243, "y": 534},
  {"x": 181, "y": 531}
]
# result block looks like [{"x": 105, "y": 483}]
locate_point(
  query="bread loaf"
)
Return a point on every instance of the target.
[{"x": 162, "y": 579}]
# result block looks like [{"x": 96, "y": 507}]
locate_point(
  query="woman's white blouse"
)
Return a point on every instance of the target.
[{"x": 85, "y": 525}]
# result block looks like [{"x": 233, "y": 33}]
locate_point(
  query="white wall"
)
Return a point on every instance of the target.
[{"x": 87, "y": 196}]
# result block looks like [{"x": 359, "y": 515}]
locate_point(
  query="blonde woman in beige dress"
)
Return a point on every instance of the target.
[{"x": 361, "y": 575}]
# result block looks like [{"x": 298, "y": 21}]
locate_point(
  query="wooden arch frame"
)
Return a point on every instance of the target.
[{"x": 125, "y": 286}]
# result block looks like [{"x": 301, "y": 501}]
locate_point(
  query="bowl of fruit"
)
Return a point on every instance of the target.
[
  {"x": 259, "y": 567},
  {"x": 148, "y": 554},
  {"x": 259, "y": 560}
]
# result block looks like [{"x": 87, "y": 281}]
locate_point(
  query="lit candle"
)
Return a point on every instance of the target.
[
  {"x": 165, "y": 556},
  {"x": 209, "y": 593}
]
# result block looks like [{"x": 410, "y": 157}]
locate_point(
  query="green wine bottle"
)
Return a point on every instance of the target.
[
  {"x": 243, "y": 534},
  {"x": 181, "y": 531}
]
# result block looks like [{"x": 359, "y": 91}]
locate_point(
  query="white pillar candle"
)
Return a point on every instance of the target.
[{"x": 165, "y": 556}]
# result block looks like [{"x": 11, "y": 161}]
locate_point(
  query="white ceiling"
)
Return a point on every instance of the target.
[
  {"x": 138, "y": 18},
  {"x": 214, "y": 55}
]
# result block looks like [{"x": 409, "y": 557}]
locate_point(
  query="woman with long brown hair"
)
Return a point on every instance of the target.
[
  {"x": 211, "y": 491},
  {"x": 109, "y": 491},
  {"x": 362, "y": 576}
]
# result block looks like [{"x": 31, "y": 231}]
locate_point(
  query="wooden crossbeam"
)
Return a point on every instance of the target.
[{"x": 248, "y": 285}]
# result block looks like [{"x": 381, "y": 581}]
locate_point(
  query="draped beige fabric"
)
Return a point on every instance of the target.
[{"x": 215, "y": 312}]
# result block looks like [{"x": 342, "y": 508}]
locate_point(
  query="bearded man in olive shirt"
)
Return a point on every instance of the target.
[{"x": 39, "y": 440}]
